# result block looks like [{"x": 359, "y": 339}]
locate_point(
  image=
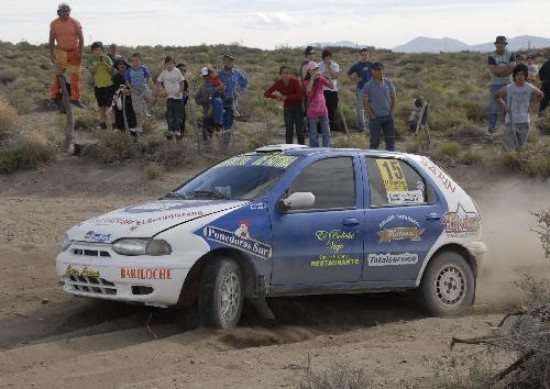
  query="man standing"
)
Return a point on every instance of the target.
[
  {"x": 330, "y": 70},
  {"x": 361, "y": 72},
  {"x": 66, "y": 44},
  {"x": 235, "y": 84},
  {"x": 379, "y": 100},
  {"x": 501, "y": 65},
  {"x": 544, "y": 77}
]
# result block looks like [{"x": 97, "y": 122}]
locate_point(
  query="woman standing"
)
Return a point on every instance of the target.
[
  {"x": 316, "y": 109},
  {"x": 288, "y": 90}
]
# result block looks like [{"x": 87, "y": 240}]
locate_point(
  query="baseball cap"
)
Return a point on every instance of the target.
[
  {"x": 378, "y": 65},
  {"x": 63, "y": 7},
  {"x": 205, "y": 71},
  {"x": 229, "y": 56},
  {"x": 312, "y": 65},
  {"x": 501, "y": 39}
]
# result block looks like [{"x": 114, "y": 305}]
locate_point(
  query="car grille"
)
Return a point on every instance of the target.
[
  {"x": 91, "y": 284},
  {"x": 91, "y": 253}
]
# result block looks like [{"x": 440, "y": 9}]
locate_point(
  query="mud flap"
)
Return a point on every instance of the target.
[{"x": 262, "y": 308}]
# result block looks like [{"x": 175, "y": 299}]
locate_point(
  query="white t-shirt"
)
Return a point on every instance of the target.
[
  {"x": 335, "y": 68},
  {"x": 172, "y": 80},
  {"x": 518, "y": 101}
]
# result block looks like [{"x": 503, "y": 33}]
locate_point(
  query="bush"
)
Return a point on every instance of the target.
[
  {"x": 24, "y": 154},
  {"x": 338, "y": 376},
  {"x": 153, "y": 170},
  {"x": 168, "y": 154},
  {"x": 448, "y": 150},
  {"x": 114, "y": 146}
]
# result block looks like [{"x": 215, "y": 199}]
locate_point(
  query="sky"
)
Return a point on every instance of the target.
[{"x": 270, "y": 24}]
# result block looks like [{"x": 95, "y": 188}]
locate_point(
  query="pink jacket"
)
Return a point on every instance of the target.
[{"x": 316, "y": 104}]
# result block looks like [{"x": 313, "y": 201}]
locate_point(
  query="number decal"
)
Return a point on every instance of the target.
[{"x": 392, "y": 175}]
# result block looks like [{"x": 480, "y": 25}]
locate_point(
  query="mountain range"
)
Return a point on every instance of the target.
[{"x": 435, "y": 45}]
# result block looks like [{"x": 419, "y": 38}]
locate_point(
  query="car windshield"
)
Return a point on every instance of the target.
[{"x": 243, "y": 177}]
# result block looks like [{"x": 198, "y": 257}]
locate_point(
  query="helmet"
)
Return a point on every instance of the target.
[{"x": 63, "y": 7}]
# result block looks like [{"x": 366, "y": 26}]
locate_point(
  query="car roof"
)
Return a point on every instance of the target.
[{"x": 301, "y": 150}]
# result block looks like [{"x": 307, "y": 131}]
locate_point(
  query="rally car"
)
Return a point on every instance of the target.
[{"x": 285, "y": 220}]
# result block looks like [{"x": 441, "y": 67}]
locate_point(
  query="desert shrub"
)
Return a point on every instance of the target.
[
  {"x": 19, "y": 99},
  {"x": 542, "y": 229},
  {"x": 338, "y": 376},
  {"x": 360, "y": 141},
  {"x": 472, "y": 157},
  {"x": 168, "y": 154},
  {"x": 85, "y": 120},
  {"x": 543, "y": 123},
  {"x": 25, "y": 153},
  {"x": 467, "y": 133},
  {"x": 153, "y": 170},
  {"x": 8, "y": 118},
  {"x": 8, "y": 75},
  {"x": 448, "y": 150},
  {"x": 114, "y": 146}
]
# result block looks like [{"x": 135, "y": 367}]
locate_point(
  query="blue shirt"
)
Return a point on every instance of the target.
[
  {"x": 379, "y": 95},
  {"x": 363, "y": 71},
  {"x": 234, "y": 81},
  {"x": 137, "y": 77}
]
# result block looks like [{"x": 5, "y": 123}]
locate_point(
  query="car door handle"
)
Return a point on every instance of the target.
[
  {"x": 350, "y": 221},
  {"x": 433, "y": 217}
]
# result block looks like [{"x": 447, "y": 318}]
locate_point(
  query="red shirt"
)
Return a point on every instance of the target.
[{"x": 293, "y": 92}]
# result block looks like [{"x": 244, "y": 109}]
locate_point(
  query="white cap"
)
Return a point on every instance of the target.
[{"x": 205, "y": 71}]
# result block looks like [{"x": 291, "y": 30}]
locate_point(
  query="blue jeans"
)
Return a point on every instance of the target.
[
  {"x": 493, "y": 106},
  {"x": 294, "y": 117},
  {"x": 218, "y": 110},
  {"x": 515, "y": 135},
  {"x": 383, "y": 124},
  {"x": 360, "y": 108},
  {"x": 325, "y": 129},
  {"x": 174, "y": 114}
]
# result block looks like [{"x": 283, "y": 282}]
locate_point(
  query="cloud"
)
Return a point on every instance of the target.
[{"x": 272, "y": 20}]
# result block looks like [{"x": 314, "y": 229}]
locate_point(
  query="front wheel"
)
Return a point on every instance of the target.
[
  {"x": 221, "y": 294},
  {"x": 448, "y": 285}
]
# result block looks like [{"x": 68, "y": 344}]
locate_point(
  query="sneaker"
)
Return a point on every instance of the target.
[
  {"x": 178, "y": 134},
  {"x": 132, "y": 130},
  {"x": 77, "y": 104},
  {"x": 102, "y": 126},
  {"x": 169, "y": 134},
  {"x": 490, "y": 132},
  {"x": 139, "y": 130}
]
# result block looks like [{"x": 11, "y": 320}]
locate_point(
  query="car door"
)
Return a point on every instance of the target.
[
  {"x": 403, "y": 221},
  {"x": 322, "y": 244}
]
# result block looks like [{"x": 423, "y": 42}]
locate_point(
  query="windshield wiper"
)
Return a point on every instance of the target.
[
  {"x": 172, "y": 195},
  {"x": 211, "y": 194}
]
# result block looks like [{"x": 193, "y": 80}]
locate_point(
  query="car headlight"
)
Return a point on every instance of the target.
[
  {"x": 131, "y": 246},
  {"x": 67, "y": 242}
]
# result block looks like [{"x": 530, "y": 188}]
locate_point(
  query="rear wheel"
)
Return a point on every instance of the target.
[
  {"x": 221, "y": 294},
  {"x": 448, "y": 285}
]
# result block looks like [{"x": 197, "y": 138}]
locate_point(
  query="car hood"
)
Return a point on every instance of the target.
[{"x": 146, "y": 220}]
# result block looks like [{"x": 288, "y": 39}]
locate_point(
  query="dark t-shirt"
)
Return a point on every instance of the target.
[{"x": 363, "y": 71}]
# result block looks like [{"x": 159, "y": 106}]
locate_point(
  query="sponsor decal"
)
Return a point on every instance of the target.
[
  {"x": 240, "y": 238},
  {"x": 392, "y": 175},
  {"x": 139, "y": 222},
  {"x": 447, "y": 182},
  {"x": 145, "y": 274},
  {"x": 157, "y": 206},
  {"x": 406, "y": 197},
  {"x": 334, "y": 260},
  {"x": 260, "y": 205},
  {"x": 275, "y": 160},
  {"x": 461, "y": 221},
  {"x": 400, "y": 233},
  {"x": 398, "y": 217},
  {"x": 97, "y": 237},
  {"x": 241, "y": 160},
  {"x": 85, "y": 272},
  {"x": 334, "y": 239},
  {"x": 388, "y": 259}
]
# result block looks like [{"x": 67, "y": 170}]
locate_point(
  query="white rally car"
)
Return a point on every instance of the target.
[{"x": 285, "y": 220}]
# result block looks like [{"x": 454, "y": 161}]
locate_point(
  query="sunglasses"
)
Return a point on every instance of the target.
[{"x": 311, "y": 53}]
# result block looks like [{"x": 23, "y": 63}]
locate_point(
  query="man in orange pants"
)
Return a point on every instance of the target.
[{"x": 66, "y": 44}]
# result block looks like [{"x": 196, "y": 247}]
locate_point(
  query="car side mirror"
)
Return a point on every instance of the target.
[{"x": 296, "y": 200}]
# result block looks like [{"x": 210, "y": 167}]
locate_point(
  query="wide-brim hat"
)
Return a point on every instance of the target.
[{"x": 501, "y": 39}]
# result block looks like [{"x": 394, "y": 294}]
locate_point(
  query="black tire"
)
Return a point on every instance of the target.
[
  {"x": 221, "y": 294},
  {"x": 448, "y": 286}
]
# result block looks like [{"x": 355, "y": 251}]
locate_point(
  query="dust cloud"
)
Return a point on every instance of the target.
[{"x": 513, "y": 248}]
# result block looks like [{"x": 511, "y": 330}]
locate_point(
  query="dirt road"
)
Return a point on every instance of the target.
[{"x": 49, "y": 339}]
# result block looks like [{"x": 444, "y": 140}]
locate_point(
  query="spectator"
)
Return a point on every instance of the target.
[
  {"x": 125, "y": 117},
  {"x": 288, "y": 90},
  {"x": 519, "y": 94},
  {"x": 361, "y": 72},
  {"x": 113, "y": 53},
  {"x": 331, "y": 71},
  {"x": 172, "y": 81},
  {"x": 183, "y": 70},
  {"x": 316, "y": 109},
  {"x": 380, "y": 100},
  {"x": 501, "y": 64},
  {"x": 520, "y": 58},
  {"x": 235, "y": 84},
  {"x": 138, "y": 79},
  {"x": 204, "y": 98},
  {"x": 99, "y": 65},
  {"x": 310, "y": 55},
  {"x": 532, "y": 69},
  {"x": 66, "y": 43},
  {"x": 544, "y": 77}
]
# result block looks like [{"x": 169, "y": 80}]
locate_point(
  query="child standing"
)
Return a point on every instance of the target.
[
  {"x": 138, "y": 79},
  {"x": 172, "y": 81},
  {"x": 183, "y": 70},
  {"x": 519, "y": 95},
  {"x": 99, "y": 66},
  {"x": 122, "y": 123},
  {"x": 204, "y": 98},
  {"x": 316, "y": 109}
]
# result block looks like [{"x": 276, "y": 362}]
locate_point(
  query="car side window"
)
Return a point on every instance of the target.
[
  {"x": 393, "y": 183},
  {"x": 332, "y": 182}
]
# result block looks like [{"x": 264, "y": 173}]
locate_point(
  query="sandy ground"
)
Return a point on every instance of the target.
[{"x": 49, "y": 339}]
